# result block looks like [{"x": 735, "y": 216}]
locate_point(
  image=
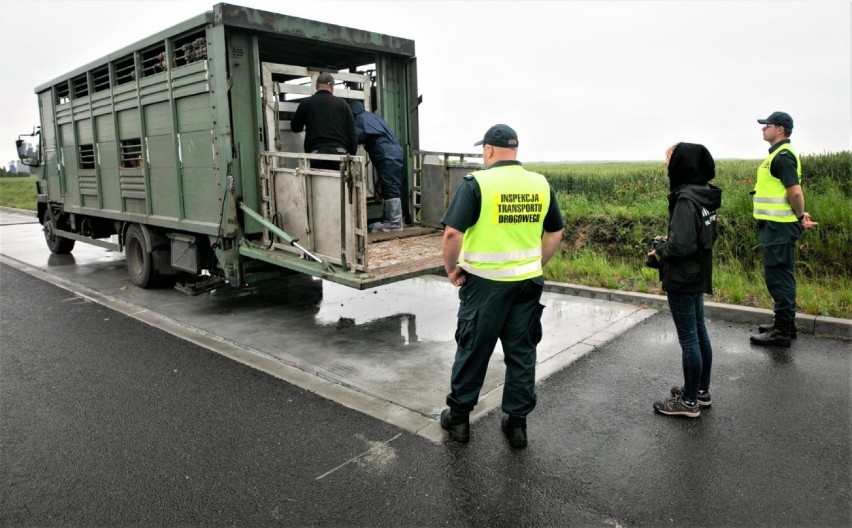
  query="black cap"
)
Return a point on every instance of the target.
[
  {"x": 499, "y": 136},
  {"x": 778, "y": 118}
]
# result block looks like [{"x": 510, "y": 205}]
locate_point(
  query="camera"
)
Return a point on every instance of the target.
[{"x": 654, "y": 243}]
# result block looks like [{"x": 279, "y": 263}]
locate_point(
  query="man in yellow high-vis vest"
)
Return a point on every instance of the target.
[
  {"x": 500, "y": 229},
  {"x": 779, "y": 207}
]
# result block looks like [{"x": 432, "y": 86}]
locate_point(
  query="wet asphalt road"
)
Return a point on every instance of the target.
[{"x": 105, "y": 421}]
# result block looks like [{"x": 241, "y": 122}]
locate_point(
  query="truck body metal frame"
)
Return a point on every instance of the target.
[{"x": 186, "y": 134}]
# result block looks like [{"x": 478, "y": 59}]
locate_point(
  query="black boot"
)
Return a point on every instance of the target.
[
  {"x": 457, "y": 424},
  {"x": 515, "y": 429},
  {"x": 781, "y": 334},
  {"x": 767, "y": 327}
]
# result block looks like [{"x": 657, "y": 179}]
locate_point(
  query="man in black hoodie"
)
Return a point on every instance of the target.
[{"x": 685, "y": 259}]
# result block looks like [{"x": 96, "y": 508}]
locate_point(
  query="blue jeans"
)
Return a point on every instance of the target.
[{"x": 688, "y": 315}]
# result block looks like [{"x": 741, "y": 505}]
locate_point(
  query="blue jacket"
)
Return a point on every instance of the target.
[{"x": 375, "y": 134}]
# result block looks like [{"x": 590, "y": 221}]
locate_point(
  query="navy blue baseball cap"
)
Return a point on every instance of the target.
[
  {"x": 778, "y": 118},
  {"x": 499, "y": 136}
]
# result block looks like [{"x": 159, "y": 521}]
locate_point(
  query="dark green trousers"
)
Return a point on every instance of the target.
[
  {"x": 488, "y": 311},
  {"x": 779, "y": 265}
]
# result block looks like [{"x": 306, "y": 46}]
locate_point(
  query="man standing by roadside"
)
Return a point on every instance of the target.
[
  {"x": 329, "y": 122},
  {"x": 500, "y": 229},
  {"x": 779, "y": 207}
]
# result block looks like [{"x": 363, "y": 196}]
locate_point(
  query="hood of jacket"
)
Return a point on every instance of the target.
[
  {"x": 690, "y": 163},
  {"x": 356, "y": 106}
]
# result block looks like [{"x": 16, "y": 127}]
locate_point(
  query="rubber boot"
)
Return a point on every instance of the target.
[
  {"x": 781, "y": 334},
  {"x": 393, "y": 215},
  {"x": 767, "y": 327}
]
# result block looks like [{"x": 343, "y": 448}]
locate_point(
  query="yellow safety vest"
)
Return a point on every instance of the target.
[
  {"x": 505, "y": 242},
  {"x": 770, "y": 196}
]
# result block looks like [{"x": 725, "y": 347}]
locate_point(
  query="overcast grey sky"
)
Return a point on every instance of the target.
[{"x": 578, "y": 80}]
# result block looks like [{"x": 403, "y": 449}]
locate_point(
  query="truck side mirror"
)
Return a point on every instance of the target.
[{"x": 29, "y": 153}]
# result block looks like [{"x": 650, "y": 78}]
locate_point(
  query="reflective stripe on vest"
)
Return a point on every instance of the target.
[
  {"x": 502, "y": 257},
  {"x": 770, "y": 197},
  {"x": 505, "y": 242},
  {"x": 505, "y": 273}
]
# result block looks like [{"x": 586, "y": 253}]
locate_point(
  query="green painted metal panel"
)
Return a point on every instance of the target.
[
  {"x": 154, "y": 98},
  {"x": 107, "y": 156},
  {"x": 128, "y": 124},
  {"x": 90, "y": 201},
  {"x": 162, "y": 174},
  {"x": 196, "y": 150},
  {"x": 220, "y": 84},
  {"x": 101, "y": 101},
  {"x": 84, "y": 132},
  {"x": 317, "y": 33},
  {"x": 202, "y": 189},
  {"x": 110, "y": 185},
  {"x": 158, "y": 121},
  {"x": 193, "y": 113},
  {"x": 50, "y": 152},
  {"x": 106, "y": 128},
  {"x": 247, "y": 116},
  {"x": 202, "y": 195},
  {"x": 68, "y": 149}
]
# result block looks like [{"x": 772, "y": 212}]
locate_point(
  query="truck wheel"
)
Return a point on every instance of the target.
[
  {"x": 137, "y": 256},
  {"x": 55, "y": 243}
]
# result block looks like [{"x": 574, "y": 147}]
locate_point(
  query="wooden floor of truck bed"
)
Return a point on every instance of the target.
[{"x": 414, "y": 249}]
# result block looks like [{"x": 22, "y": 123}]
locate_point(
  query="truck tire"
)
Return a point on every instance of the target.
[
  {"x": 55, "y": 243},
  {"x": 138, "y": 258}
]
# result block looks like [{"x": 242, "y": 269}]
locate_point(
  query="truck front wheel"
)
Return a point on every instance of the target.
[
  {"x": 55, "y": 243},
  {"x": 140, "y": 265}
]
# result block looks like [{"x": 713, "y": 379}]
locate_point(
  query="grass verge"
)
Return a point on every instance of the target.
[{"x": 18, "y": 192}]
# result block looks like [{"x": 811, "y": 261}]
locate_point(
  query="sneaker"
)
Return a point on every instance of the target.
[
  {"x": 515, "y": 429},
  {"x": 704, "y": 399},
  {"x": 674, "y": 406},
  {"x": 458, "y": 425}
]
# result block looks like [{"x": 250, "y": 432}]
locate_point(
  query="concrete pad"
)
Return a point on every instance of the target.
[{"x": 386, "y": 352}]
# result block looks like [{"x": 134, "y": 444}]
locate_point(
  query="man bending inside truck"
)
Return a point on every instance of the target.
[
  {"x": 387, "y": 156},
  {"x": 329, "y": 122}
]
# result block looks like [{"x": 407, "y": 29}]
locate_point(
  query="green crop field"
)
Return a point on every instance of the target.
[
  {"x": 611, "y": 207},
  {"x": 18, "y": 192}
]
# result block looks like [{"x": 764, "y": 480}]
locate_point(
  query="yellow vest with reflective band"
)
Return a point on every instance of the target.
[
  {"x": 770, "y": 196},
  {"x": 505, "y": 242}
]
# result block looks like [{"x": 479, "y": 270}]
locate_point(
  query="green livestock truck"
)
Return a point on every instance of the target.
[{"x": 178, "y": 151}]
